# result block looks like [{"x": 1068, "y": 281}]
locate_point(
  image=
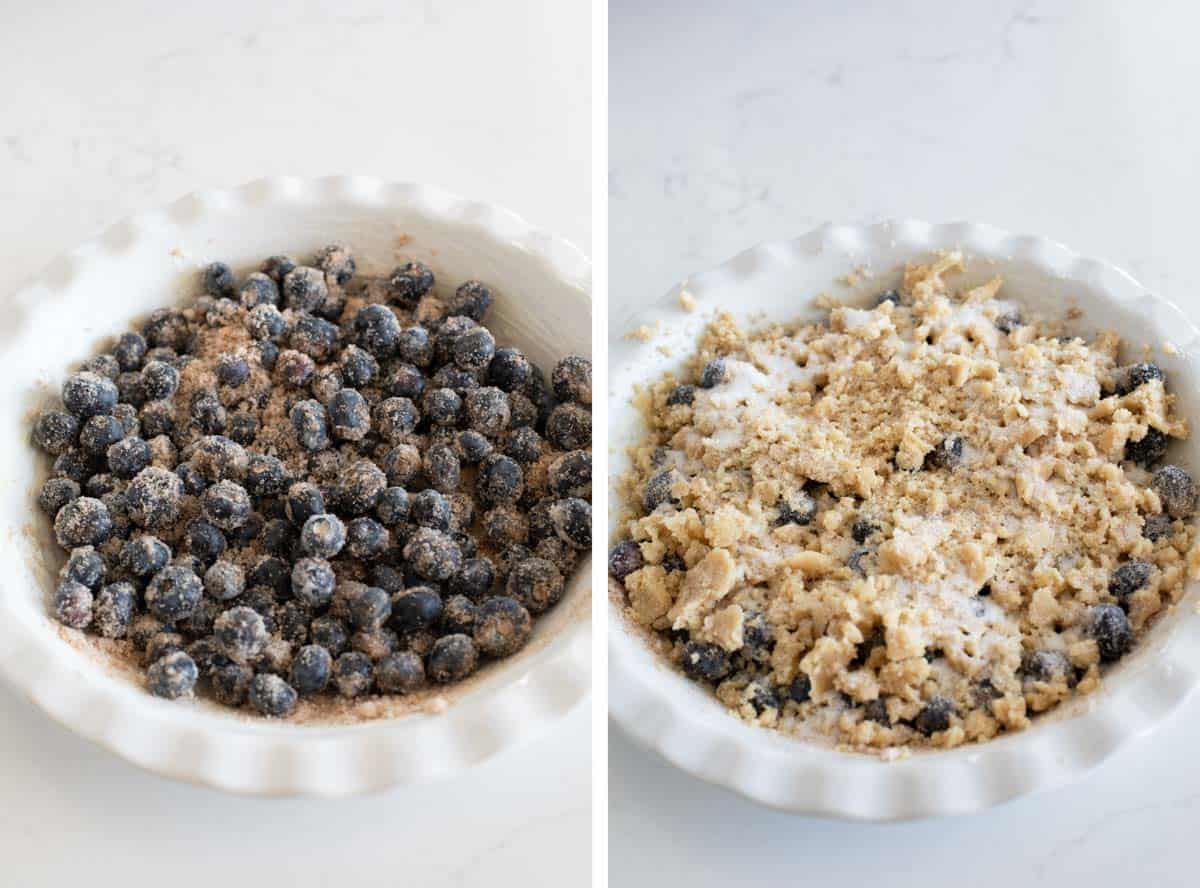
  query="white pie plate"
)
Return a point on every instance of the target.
[
  {"x": 779, "y": 280},
  {"x": 543, "y": 305}
]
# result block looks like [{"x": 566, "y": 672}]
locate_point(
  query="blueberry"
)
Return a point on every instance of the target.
[
  {"x": 523, "y": 444},
  {"x": 224, "y": 580},
  {"x": 157, "y": 418},
  {"x": 294, "y": 368},
  {"x": 309, "y": 422},
  {"x": 947, "y": 454},
  {"x": 303, "y": 501},
  {"x": 257, "y": 290},
  {"x": 173, "y": 593},
  {"x": 208, "y": 413},
  {"x": 535, "y": 583},
  {"x": 458, "y": 615},
  {"x": 1175, "y": 490},
  {"x": 102, "y": 365},
  {"x": 405, "y": 381},
  {"x": 800, "y": 509},
  {"x": 488, "y": 410},
  {"x": 218, "y": 280},
  {"x": 1128, "y": 578},
  {"x": 366, "y": 539},
  {"x": 876, "y": 711},
  {"x": 265, "y": 323},
  {"x": 55, "y": 431},
  {"x": 304, "y": 289},
  {"x": 504, "y": 525},
  {"x": 130, "y": 351},
  {"x": 84, "y": 565},
  {"x": 127, "y": 416},
  {"x": 83, "y": 521},
  {"x": 353, "y": 674},
  {"x": 408, "y": 283},
  {"x": 1046, "y": 666},
  {"x": 502, "y": 626},
  {"x": 56, "y": 493},
  {"x": 217, "y": 457},
  {"x": 862, "y": 530},
  {"x": 205, "y": 541},
  {"x": 572, "y": 519},
  {"x": 271, "y": 696},
  {"x": 572, "y": 380},
  {"x": 934, "y": 716},
  {"x": 430, "y": 509},
  {"x": 472, "y": 299},
  {"x": 98, "y": 433},
  {"x": 452, "y": 658},
  {"x": 683, "y": 395},
  {"x": 225, "y": 505},
  {"x": 569, "y": 427},
  {"x": 128, "y": 456},
  {"x": 509, "y": 371},
  {"x": 265, "y": 475},
  {"x": 416, "y": 609},
  {"x": 892, "y": 296},
  {"x": 113, "y": 610},
  {"x": 800, "y": 690},
  {"x": 167, "y": 328},
  {"x": 337, "y": 262},
  {"x": 1109, "y": 626},
  {"x": 172, "y": 676},
  {"x": 857, "y": 560},
  {"x": 73, "y": 604},
  {"x": 232, "y": 370},
  {"x": 1136, "y": 375},
  {"x": 441, "y": 406},
  {"x": 500, "y": 480},
  {"x": 231, "y": 682},
  {"x": 1008, "y": 322},
  {"x": 715, "y": 372},
  {"x": 393, "y": 506},
  {"x": 160, "y": 381},
  {"x": 311, "y": 669},
  {"x": 89, "y": 394},
  {"x": 315, "y": 337},
  {"x": 362, "y": 484},
  {"x": 571, "y": 474},
  {"x": 624, "y": 558},
  {"x": 74, "y": 464},
  {"x": 432, "y": 554},
  {"x": 1149, "y": 449},
  {"x": 474, "y": 349},
  {"x": 1157, "y": 526},
  {"x": 323, "y": 535},
  {"x": 349, "y": 415},
  {"x": 658, "y": 490},
  {"x": 278, "y": 267},
  {"x": 241, "y": 634},
  {"x": 474, "y": 579},
  {"x": 401, "y": 465},
  {"x": 415, "y": 348},
  {"x": 758, "y": 638},
  {"x": 377, "y": 330},
  {"x": 145, "y": 556},
  {"x": 400, "y": 673},
  {"x": 330, "y": 633},
  {"x": 270, "y": 573},
  {"x": 763, "y": 696},
  {"x": 703, "y": 661}
]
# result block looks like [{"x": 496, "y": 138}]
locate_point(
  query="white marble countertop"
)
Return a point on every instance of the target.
[
  {"x": 1070, "y": 119},
  {"x": 116, "y": 107}
]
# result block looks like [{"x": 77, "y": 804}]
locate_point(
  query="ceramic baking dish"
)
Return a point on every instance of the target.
[{"x": 779, "y": 281}]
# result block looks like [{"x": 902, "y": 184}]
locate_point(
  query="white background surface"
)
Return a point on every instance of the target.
[
  {"x": 116, "y": 107},
  {"x": 1071, "y": 120}
]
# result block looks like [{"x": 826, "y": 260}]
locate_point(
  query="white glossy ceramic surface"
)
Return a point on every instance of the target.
[
  {"x": 82, "y": 299},
  {"x": 778, "y": 281}
]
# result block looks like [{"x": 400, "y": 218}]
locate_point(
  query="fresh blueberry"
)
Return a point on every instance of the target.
[
  {"x": 934, "y": 716},
  {"x": 366, "y": 539},
  {"x": 309, "y": 422},
  {"x": 205, "y": 541},
  {"x": 353, "y": 674},
  {"x": 474, "y": 579},
  {"x": 500, "y": 480},
  {"x": 218, "y": 279},
  {"x": 208, "y": 413},
  {"x": 572, "y": 520},
  {"x": 330, "y": 633},
  {"x": 624, "y": 559},
  {"x": 84, "y": 565},
  {"x": 89, "y": 394},
  {"x": 502, "y": 626},
  {"x": 682, "y": 395},
  {"x": 323, "y": 535},
  {"x": 432, "y": 554},
  {"x": 400, "y": 673},
  {"x": 703, "y": 661},
  {"x": 226, "y": 505},
  {"x": 304, "y": 500},
  {"x": 488, "y": 411},
  {"x": 509, "y": 370},
  {"x": 1157, "y": 526},
  {"x": 241, "y": 634},
  {"x": 474, "y": 350},
  {"x": 231, "y": 683},
  {"x": 362, "y": 484},
  {"x": 55, "y": 431},
  {"x": 1136, "y": 375},
  {"x": 658, "y": 490},
  {"x": 145, "y": 556},
  {"x": 113, "y": 610},
  {"x": 128, "y": 456},
  {"x": 172, "y": 676},
  {"x": 800, "y": 690},
  {"x": 442, "y": 467},
  {"x": 56, "y": 493},
  {"x": 535, "y": 583},
  {"x": 377, "y": 330},
  {"x": 569, "y": 427},
  {"x": 1128, "y": 578},
  {"x": 304, "y": 289},
  {"x": 160, "y": 381},
  {"x": 271, "y": 696},
  {"x": 1149, "y": 449},
  {"x": 173, "y": 593},
  {"x": 73, "y": 603},
  {"x": 83, "y": 521},
  {"x": 441, "y": 406},
  {"x": 311, "y": 669},
  {"x": 1046, "y": 666},
  {"x": 1176, "y": 491},
  {"x": 1109, "y": 626},
  {"x": 416, "y": 609},
  {"x": 572, "y": 380},
  {"x": 452, "y": 658},
  {"x": 715, "y": 372}
]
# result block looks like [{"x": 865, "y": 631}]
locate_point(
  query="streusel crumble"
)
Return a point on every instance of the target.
[{"x": 917, "y": 523}]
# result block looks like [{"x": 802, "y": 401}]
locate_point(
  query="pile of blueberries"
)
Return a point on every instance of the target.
[{"x": 444, "y": 503}]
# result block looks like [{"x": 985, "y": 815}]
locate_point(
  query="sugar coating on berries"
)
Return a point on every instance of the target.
[{"x": 288, "y": 475}]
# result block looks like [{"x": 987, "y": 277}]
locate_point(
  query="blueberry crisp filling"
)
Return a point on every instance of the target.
[
  {"x": 314, "y": 483},
  {"x": 917, "y": 523}
]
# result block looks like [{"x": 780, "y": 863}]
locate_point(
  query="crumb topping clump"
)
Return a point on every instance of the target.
[
  {"x": 920, "y": 522},
  {"x": 296, "y": 486}
]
